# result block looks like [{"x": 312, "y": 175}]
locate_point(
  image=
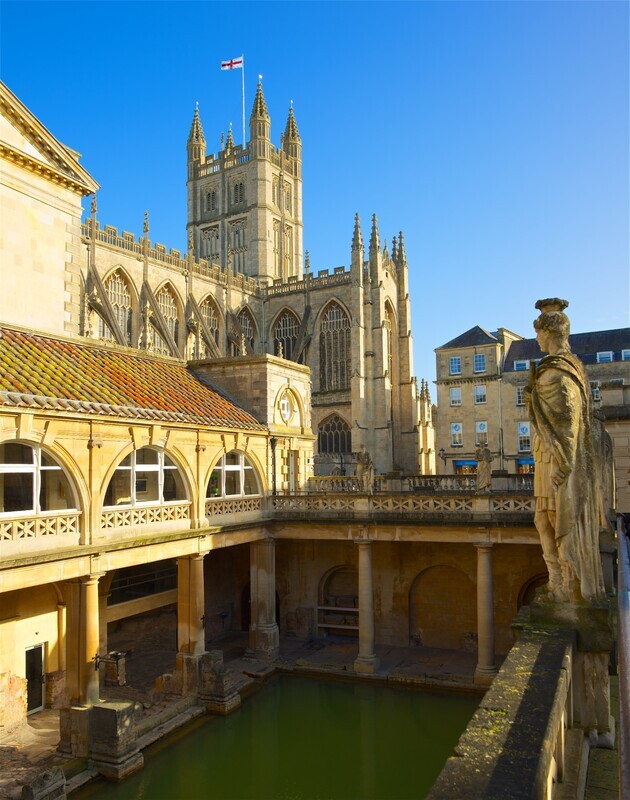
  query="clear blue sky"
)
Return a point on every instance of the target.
[{"x": 495, "y": 135}]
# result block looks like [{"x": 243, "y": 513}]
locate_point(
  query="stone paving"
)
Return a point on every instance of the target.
[{"x": 27, "y": 750}]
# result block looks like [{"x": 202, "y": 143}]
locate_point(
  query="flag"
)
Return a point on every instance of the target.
[{"x": 233, "y": 63}]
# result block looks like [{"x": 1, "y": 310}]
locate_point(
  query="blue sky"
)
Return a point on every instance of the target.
[{"x": 495, "y": 135}]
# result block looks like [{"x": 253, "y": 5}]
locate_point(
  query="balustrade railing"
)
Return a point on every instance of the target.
[
  {"x": 144, "y": 515},
  {"x": 235, "y": 505},
  {"x": 48, "y": 526}
]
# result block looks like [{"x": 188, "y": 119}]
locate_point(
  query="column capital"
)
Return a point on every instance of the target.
[{"x": 484, "y": 545}]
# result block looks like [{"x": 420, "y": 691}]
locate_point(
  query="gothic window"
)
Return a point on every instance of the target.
[
  {"x": 238, "y": 246},
  {"x": 210, "y": 238},
  {"x": 334, "y": 436},
  {"x": 145, "y": 476},
  {"x": 211, "y": 200},
  {"x": 276, "y": 247},
  {"x": 233, "y": 476},
  {"x": 285, "y": 334},
  {"x": 334, "y": 349},
  {"x": 168, "y": 306},
  {"x": 120, "y": 298},
  {"x": 210, "y": 317},
  {"x": 248, "y": 332},
  {"x": 32, "y": 482},
  {"x": 239, "y": 192},
  {"x": 287, "y": 200},
  {"x": 388, "y": 324}
]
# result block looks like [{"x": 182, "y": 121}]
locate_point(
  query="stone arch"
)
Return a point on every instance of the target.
[
  {"x": 528, "y": 589},
  {"x": 334, "y": 435},
  {"x": 443, "y": 609},
  {"x": 215, "y": 485},
  {"x": 338, "y": 585},
  {"x": 210, "y": 302},
  {"x": 246, "y": 312},
  {"x": 284, "y": 329}
]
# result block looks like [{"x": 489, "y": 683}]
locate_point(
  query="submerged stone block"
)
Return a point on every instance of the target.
[{"x": 113, "y": 740}]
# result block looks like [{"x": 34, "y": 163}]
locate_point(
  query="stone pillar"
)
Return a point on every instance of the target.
[
  {"x": 366, "y": 661},
  {"x": 82, "y": 641},
  {"x": 190, "y": 605},
  {"x": 264, "y": 637},
  {"x": 486, "y": 668}
]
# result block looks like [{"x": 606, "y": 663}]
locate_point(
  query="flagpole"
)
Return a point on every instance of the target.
[{"x": 243, "y": 87}]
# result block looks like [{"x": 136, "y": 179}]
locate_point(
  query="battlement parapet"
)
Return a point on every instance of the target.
[{"x": 339, "y": 277}]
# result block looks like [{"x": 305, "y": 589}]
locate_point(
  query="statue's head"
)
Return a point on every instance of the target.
[{"x": 552, "y": 320}]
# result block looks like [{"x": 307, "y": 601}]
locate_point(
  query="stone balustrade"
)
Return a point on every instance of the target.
[{"x": 21, "y": 535}]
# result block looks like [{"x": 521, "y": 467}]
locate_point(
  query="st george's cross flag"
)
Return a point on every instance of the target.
[{"x": 233, "y": 63}]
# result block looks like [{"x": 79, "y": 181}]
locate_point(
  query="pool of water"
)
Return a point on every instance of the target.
[{"x": 301, "y": 739}]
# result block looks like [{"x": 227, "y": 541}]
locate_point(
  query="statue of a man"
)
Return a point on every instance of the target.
[
  {"x": 565, "y": 477},
  {"x": 365, "y": 470},
  {"x": 484, "y": 457}
]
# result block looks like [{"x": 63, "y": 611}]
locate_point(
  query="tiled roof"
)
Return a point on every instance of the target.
[
  {"x": 44, "y": 372},
  {"x": 475, "y": 336},
  {"x": 584, "y": 345}
]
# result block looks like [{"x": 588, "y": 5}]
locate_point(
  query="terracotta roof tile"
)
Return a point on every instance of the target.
[{"x": 52, "y": 373}]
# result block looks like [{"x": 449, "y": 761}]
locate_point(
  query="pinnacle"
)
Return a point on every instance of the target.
[
  {"x": 357, "y": 236},
  {"x": 260, "y": 105},
  {"x": 229, "y": 144},
  {"x": 375, "y": 242},
  {"x": 394, "y": 250},
  {"x": 291, "y": 133},
  {"x": 196, "y": 131},
  {"x": 402, "y": 256}
]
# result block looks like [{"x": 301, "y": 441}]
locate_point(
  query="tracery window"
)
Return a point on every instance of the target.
[
  {"x": 168, "y": 307},
  {"x": 32, "y": 482},
  {"x": 334, "y": 349},
  {"x": 211, "y": 318},
  {"x": 248, "y": 333},
  {"x": 145, "y": 476},
  {"x": 334, "y": 436},
  {"x": 388, "y": 324},
  {"x": 120, "y": 298},
  {"x": 285, "y": 334},
  {"x": 233, "y": 476}
]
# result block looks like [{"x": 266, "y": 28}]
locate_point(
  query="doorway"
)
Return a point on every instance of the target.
[{"x": 35, "y": 678}]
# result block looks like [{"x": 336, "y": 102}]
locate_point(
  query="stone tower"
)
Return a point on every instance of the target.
[{"x": 245, "y": 203}]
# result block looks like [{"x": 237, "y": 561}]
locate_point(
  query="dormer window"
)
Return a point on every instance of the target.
[
  {"x": 521, "y": 366},
  {"x": 605, "y": 357}
]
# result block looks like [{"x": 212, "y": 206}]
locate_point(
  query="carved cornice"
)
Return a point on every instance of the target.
[{"x": 43, "y": 170}]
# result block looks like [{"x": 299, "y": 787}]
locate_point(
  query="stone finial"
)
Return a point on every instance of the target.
[
  {"x": 402, "y": 255},
  {"x": 196, "y": 131},
  {"x": 307, "y": 262},
  {"x": 145, "y": 225},
  {"x": 229, "y": 143},
  {"x": 93, "y": 205},
  {"x": 375, "y": 241},
  {"x": 394, "y": 250},
  {"x": 357, "y": 236},
  {"x": 259, "y": 109}
]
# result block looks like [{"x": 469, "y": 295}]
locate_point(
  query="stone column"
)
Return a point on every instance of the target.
[
  {"x": 82, "y": 641},
  {"x": 366, "y": 661},
  {"x": 264, "y": 637},
  {"x": 190, "y": 605},
  {"x": 486, "y": 668}
]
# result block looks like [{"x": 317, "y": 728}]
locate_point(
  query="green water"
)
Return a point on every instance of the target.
[{"x": 307, "y": 740}]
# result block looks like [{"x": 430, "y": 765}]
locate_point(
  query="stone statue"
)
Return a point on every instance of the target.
[
  {"x": 565, "y": 478},
  {"x": 365, "y": 470},
  {"x": 484, "y": 471}
]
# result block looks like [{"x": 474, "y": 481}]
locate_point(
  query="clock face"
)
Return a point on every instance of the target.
[{"x": 286, "y": 407}]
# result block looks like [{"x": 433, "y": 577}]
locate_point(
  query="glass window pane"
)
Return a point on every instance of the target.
[
  {"x": 214, "y": 484},
  {"x": 126, "y": 462},
  {"x": 13, "y": 453},
  {"x": 232, "y": 483},
  {"x": 232, "y": 459},
  {"x": 55, "y": 493},
  {"x": 168, "y": 462},
  {"x": 147, "y": 456},
  {"x": 251, "y": 484},
  {"x": 173, "y": 486},
  {"x": 147, "y": 486},
  {"x": 16, "y": 492},
  {"x": 119, "y": 490},
  {"x": 48, "y": 462}
]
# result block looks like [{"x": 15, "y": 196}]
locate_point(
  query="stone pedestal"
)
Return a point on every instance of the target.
[
  {"x": 366, "y": 661},
  {"x": 74, "y": 731},
  {"x": 591, "y": 682},
  {"x": 184, "y": 680},
  {"x": 113, "y": 743},
  {"x": 217, "y": 685}
]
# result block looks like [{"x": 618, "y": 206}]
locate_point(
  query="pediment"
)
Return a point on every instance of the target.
[{"x": 24, "y": 139}]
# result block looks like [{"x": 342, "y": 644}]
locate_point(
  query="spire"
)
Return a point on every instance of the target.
[
  {"x": 259, "y": 110},
  {"x": 357, "y": 236},
  {"x": 291, "y": 133},
  {"x": 375, "y": 240},
  {"x": 402, "y": 256},
  {"x": 229, "y": 144}
]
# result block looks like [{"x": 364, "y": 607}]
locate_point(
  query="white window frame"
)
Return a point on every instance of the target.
[
  {"x": 520, "y": 395},
  {"x": 457, "y": 436},
  {"x": 455, "y": 365},
  {"x": 605, "y": 357},
  {"x": 625, "y": 354},
  {"x": 524, "y": 438},
  {"x": 455, "y": 396},
  {"x": 134, "y": 468},
  {"x": 223, "y": 468},
  {"x": 479, "y": 358},
  {"x": 481, "y": 430},
  {"x": 522, "y": 365},
  {"x": 479, "y": 402},
  {"x": 35, "y": 469}
]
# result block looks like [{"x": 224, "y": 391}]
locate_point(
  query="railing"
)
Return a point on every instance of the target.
[
  {"x": 623, "y": 589},
  {"x": 48, "y": 526},
  {"x": 236, "y": 505},
  {"x": 144, "y": 515},
  {"x": 514, "y": 746},
  {"x": 468, "y": 483}
]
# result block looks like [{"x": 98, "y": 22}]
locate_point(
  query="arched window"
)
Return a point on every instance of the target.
[
  {"x": 32, "y": 482},
  {"x": 334, "y": 349},
  {"x": 120, "y": 298},
  {"x": 211, "y": 201},
  {"x": 211, "y": 318},
  {"x": 285, "y": 335},
  {"x": 239, "y": 192},
  {"x": 145, "y": 476},
  {"x": 248, "y": 332},
  {"x": 233, "y": 476},
  {"x": 168, "y": 307},
  {"x": 334, "y": 436},
  {"x": 389, "y": 325}
]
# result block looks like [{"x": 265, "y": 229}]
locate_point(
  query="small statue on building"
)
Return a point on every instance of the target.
[
  {"x": 365, "y": 470},
  {"x": 565, "y": 479},
  {"x": 484, "y": 470}
]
